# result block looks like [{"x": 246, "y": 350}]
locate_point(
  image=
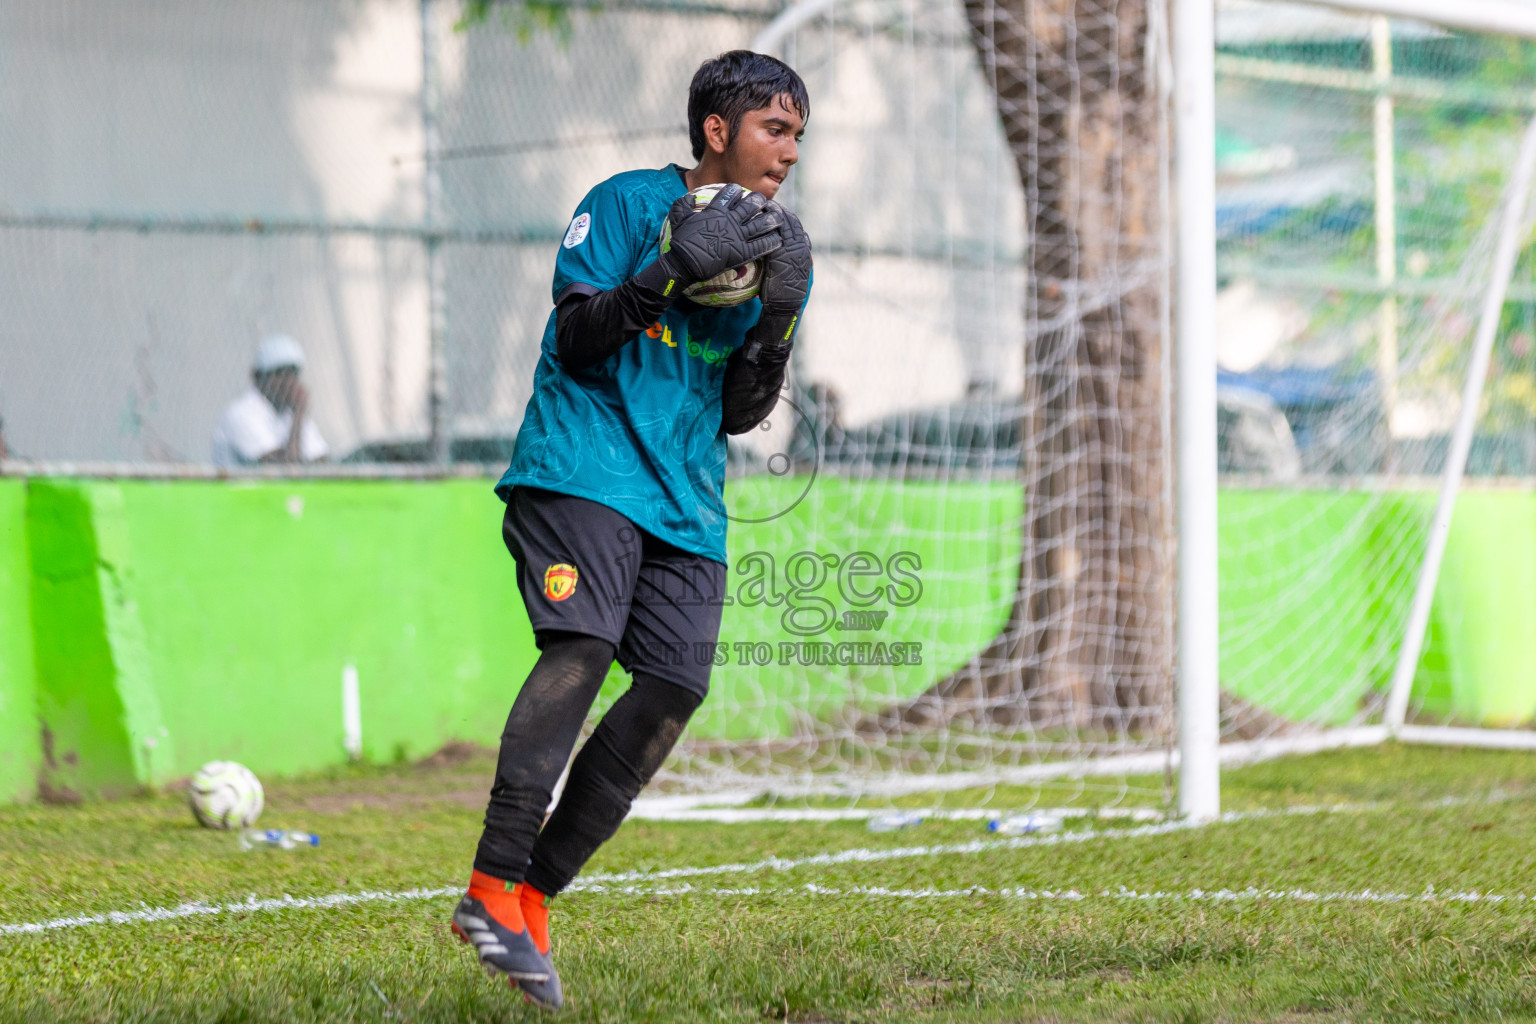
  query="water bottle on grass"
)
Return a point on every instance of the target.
[
  {"x": 1024, "y": 824},
  {"x": 276, "y": 838},
  {"x": 894, "y": 820}
]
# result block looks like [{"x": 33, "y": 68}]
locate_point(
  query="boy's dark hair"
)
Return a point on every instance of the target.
[{"x": 736, "y": 82}]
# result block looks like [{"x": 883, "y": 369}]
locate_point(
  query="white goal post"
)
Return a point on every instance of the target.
[
  {"x": 1509, "y": 230},
  {"x": 1193, "y": 45},
  {"x": 1504, "y": 17}
]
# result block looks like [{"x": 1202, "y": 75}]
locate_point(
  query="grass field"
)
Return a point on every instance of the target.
[{"x": 1363, "y": 913}]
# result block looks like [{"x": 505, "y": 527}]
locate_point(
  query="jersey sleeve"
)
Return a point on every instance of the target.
[{"x": 600, "y": 246}]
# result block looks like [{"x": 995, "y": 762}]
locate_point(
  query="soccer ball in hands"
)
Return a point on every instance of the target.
[
  {"x": 224, "y": 794},
  {"x": 729, "y": 287}
]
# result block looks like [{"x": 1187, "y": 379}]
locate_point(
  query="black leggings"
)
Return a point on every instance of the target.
[{"x": 624, "y": 752}]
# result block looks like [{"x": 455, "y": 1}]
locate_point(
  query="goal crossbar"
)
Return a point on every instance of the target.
[{"x": 1505, "y": 17}]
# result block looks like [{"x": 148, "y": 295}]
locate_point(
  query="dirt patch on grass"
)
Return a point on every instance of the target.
[
  {"x": 459, "y": 774},
  {"x": 455, "y": 754}
]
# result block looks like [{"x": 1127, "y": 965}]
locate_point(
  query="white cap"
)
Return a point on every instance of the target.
[{"x": 276, "y": 352}]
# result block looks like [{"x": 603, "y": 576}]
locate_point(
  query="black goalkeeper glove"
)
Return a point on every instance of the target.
[
  {"x": 736, "y": 228},
  {"x": 786, "y": 284},
  {"x": 754, "y": 374}
]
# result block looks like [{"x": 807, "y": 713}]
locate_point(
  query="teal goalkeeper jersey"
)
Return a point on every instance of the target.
[{"x": 640, "y": 432}]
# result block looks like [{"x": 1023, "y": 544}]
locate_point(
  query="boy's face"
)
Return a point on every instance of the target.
[{"x": 765, "y": 147}]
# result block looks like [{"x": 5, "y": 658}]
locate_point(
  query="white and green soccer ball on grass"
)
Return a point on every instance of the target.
[
  {"x": 729, "y": 287},
  {"x": 224, "y": 794}
]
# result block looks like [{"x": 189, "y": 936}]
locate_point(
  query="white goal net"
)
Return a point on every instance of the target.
[
  {"x": 1367, "y": 180},
  {"x": 1368, "y": 171},
  {"x": 952, "y": 550}
]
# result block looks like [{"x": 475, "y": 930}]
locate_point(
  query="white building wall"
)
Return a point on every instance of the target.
[{"x": 126, "y": 344}]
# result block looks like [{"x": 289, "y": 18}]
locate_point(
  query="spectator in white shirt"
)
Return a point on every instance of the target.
[{"x": 270, "y": 421}]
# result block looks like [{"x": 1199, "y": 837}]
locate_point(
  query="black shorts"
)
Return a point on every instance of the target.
[{"x": 584, "y": 568}]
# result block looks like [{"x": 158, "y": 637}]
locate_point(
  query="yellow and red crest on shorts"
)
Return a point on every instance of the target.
[{"x": 559, "y": 581}]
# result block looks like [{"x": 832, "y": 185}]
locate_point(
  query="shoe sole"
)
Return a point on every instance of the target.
[{"x": 541, "y": 1004}]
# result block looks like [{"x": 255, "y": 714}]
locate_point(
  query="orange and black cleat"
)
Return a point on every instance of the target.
[
  {"x": 535, "y": 907},
  {"x": 490, "y": 918}
]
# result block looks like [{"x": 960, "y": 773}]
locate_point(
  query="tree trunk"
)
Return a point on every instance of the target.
[{"x": 1087, "y": 644}]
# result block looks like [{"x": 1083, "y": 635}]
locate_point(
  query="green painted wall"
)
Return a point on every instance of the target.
[
  {"x": 254, "y": 597},
  {"x": 1315, "y": 588},
  {"x": 1314, "y": 592},
  {"x": 20, "y": 752},
  {"x": 87, "y": 750},
  {"x": 177, "y": 622},
  {"x": 941, "y": 564},
  {"x": 152, "y": 626},
  {"x": 1486, "y": 608}
]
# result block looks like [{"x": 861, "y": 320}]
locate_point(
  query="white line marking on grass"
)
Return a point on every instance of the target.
[
  {"x": 742, "y": 815},
  {"x": 251, "y": 904},
  {"x": 1249, "y": 894},
  {"x": 592, "y": 882},
  {"x": 609, "y": 882},
  {"x": 865, "y": 855},
  {"x": 1072, "y": 895},
  {"x": 868, "y": 855}
]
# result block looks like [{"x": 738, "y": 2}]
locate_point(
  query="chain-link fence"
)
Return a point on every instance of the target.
[{"x": 386, "y": 184}]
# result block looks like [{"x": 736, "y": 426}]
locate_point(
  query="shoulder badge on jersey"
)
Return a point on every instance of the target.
[
  {"x": 559, "y": 581},
  {"x": 577, "y": 232}
]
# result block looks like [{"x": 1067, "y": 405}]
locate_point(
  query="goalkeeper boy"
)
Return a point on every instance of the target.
[{"x": 615, "y": 515}]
